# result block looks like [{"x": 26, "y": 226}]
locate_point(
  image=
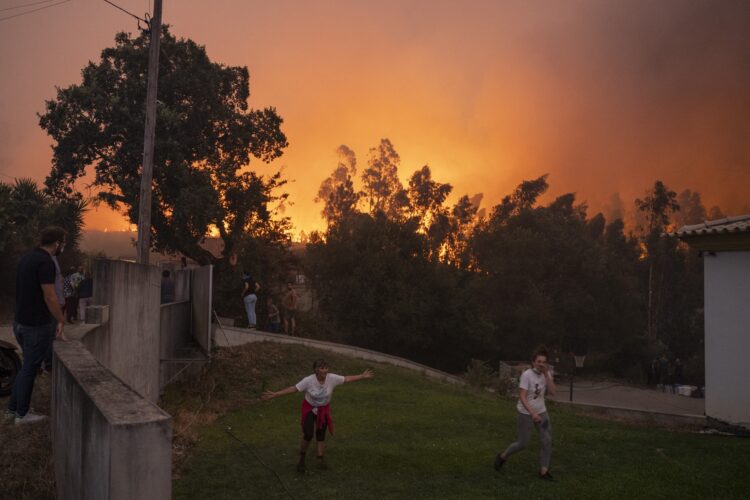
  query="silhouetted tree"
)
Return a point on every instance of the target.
[
  {"x": 381, "y": 186},
  {"x": 205, "y": 136},
  {"x": 337, "y": 192}
]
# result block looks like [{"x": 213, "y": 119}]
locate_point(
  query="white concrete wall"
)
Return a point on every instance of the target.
[
  {"x": 174, "y": 335},
  {"x": 108, "y": 441},
  {"x": 128, "y": 344},
  {"x": 727, "y": 342}
]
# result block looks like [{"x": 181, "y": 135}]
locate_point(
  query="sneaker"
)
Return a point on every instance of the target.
[
  {"x": 9, "y": 415},
  {"x": 499, "y": 461},
  {"x": 546, "y": 476},
  {"x": 322, "y": 464},
  {"x": 30, "y": 418}
]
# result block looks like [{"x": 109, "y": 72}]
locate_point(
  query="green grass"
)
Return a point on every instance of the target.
[{"x": 401, "y": 435}]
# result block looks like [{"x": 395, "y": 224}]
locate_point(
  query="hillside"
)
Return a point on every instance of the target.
[{"x": 401, "y": 435}]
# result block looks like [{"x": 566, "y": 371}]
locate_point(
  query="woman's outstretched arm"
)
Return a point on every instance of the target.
[
  {"x": 283, "y": 392},
  {"x": 365, "y": 374}
]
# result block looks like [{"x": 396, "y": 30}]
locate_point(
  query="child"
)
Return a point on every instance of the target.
[
  {"x": 316, "y": 406},
  {"x": 274, "y": 318},
  {"x": 532, "y": 412}
]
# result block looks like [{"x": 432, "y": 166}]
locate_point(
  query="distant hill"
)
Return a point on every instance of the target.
[
  {"x": 114, "y": 244},
  {"x": 121, "y": 245}
]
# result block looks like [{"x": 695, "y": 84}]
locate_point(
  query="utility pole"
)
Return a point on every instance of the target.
[{"x": 144, "y": 205}]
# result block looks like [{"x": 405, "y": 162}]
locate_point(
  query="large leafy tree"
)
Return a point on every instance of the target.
[{"x": 206, "y": 135}]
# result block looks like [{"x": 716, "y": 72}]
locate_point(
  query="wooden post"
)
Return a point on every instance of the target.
[{"x": 144, "y": 202}]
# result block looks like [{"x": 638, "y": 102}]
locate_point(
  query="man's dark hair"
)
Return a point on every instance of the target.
[
  {"x": 52, "y": 234},
  {"x": 320, "y": 363},
  {"x": 165, "y": 273},
  {"x": 540, "y": 351}
]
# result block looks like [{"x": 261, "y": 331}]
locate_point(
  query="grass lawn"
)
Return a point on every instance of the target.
[{"x": 401, "y": 435}]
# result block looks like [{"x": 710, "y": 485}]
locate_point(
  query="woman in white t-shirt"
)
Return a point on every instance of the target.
[
  {"x": 532, "y": 412},
  {"x": 316, "y": 406}
]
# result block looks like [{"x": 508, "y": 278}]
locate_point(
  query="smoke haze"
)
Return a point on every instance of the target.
[{"x": 606, "y": 97}]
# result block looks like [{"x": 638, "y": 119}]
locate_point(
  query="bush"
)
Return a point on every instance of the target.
[{"x": 479, "y": 374}]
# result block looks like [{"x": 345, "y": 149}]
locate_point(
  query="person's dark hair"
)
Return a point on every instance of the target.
[
  {"x": 165, "y": 273},
  {"x": 52, "y": 234},
  {"x": 319, "y": 363},
  {"x": 540, "y": 351}
]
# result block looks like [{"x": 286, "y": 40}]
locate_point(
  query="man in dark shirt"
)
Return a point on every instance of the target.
[
  {"x": 167, "y": 287},
  {"x": 39, "y": 318}
]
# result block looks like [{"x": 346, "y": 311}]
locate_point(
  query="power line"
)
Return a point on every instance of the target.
[
  {"x": 125, "y": 11},
  {"x": 33, "y": 10},
  {"x": 25, "y": 5}
]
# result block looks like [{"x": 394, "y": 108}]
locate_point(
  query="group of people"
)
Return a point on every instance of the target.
[
  {"x": 316, "y": 417},
  {"x": 39, "y": 319},
  {"x": 276, "y": 318}
]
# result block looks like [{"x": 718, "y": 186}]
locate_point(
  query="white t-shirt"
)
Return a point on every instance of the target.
[
  {"x": 318, "y": 394},
  {"x": 536, "y": 385}
]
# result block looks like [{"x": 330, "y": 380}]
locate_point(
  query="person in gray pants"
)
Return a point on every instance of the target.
[{"x": 532, "y": 387}]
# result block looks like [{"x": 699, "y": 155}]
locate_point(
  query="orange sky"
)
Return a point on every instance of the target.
[{"x": 604, "y": 96}]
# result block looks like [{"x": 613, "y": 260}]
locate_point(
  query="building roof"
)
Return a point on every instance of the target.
[
  {"x": 728, "y": 234},
  {"x": 737, "y": 224}
]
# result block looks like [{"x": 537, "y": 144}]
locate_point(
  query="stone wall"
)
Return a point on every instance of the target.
[{"x": 108, "y": 441}]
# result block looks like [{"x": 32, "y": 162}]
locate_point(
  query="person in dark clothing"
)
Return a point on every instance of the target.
[
  {"x": 679, "y": 372},
  {"x": 167, "y": 287},
  {"x": 71, "y": 297},
  {"x": 274, "y": 317},
  {"x": 38, "y": 319},
  {"x": 85, "y": 293}
]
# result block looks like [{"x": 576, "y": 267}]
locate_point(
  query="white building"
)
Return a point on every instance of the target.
[{"x": 725, "y": 245}]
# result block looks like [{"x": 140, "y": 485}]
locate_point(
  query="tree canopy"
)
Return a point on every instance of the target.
[
  {"x": 206, "y": 135},
  {"x": 24, "y": 210},
  {"x": 441, "y": 283}
]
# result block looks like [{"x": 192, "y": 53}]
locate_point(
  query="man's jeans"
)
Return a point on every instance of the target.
[{"x": 35, "y": 342}]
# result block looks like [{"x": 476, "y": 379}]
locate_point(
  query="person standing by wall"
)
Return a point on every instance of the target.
[
  {"x": 532, "y": 412},
  {"x": 85, "y": 292},
  {"x": 167, "y": 287},
  {"x": 289, "y": 304},
  {"x": 250, "y": 298},
  {"x": 274, "y": 317},
  {"x": 71, "y": 296},
  {"x": 38, "y": 319}
]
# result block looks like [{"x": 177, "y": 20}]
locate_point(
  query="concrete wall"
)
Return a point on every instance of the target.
[
  {"x": 181, "y": 284},
  {"x": 173, "y": 337},
  {"x": 201, "y": 295},
  {"x": 228, "y": 336},
  {"x": 727, "y": 342},
  {"x": 129, "y": 343},
  {"x": 108, "y": 441}
]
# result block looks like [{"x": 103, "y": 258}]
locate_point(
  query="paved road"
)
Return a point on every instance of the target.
[{"x": 616, "y": 395}]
